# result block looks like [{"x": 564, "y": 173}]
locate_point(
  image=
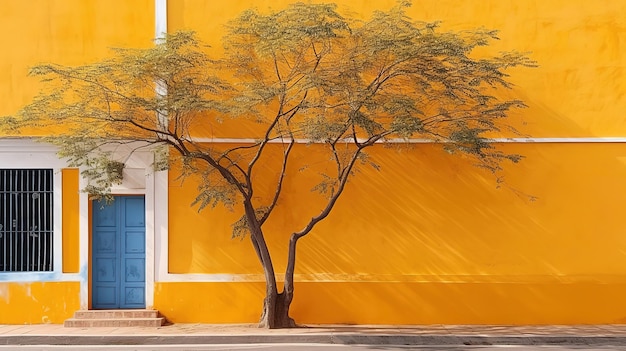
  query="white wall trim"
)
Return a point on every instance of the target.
[
  {"x": 560, "y": 140},
  {"x": 40, "y": 277},
  {"x": 160, "y": 18},
  {"x": 161, "y": 179},
  {"x": 161, "y": 224},
  {"x": 150, "y": 237},
  {"x": 83, "y": 242},
  {"x": 57, "y": 215},
  {"x": 27, "y": 145},
  {"x": 423, "y": 141},
  {"x": 403, "y": 278},
  {"x": 212, "y": 278}
]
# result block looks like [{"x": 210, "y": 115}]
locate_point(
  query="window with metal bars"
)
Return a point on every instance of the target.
[{"x": 26, "y": 220}]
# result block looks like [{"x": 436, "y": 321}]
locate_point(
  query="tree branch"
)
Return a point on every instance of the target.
[{"x": 279, "y": 185}]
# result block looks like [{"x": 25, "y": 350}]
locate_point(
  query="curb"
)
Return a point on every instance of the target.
[{"x": 342, "y": 338}]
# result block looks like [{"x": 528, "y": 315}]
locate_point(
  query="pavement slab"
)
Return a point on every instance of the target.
[{"x": 180, "y": 333}]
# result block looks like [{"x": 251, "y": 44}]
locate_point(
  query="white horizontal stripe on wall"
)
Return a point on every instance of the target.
[{"x": 421, "y": 141}]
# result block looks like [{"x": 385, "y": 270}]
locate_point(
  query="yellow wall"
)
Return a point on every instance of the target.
[
  {"x": 48, "y": 302},
  {"x": 429, "y": 213},
  {"x": 578, "y": 44},
  {"x": 402, "y": 302},
  {"x": 67, "y": 32},
  {"x": 35, "y": 303},
  {"x": 435, "y": 229},
  {"x": 71, "y": 257},
  {"x": 429, "y": 238}
]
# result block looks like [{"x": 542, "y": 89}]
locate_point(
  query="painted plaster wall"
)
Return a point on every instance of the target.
[
  {"x": 71, "y": 235},
  {"x": 38, "y": 302},
  {"x": 377, "y": 302},
  {"x": 440, "y": 244},
  {"x": 64, "y": 32},
  {"x": 577, "y": 89},
  {"x": 427, "y": 213},
  {"x": 428, "y": 239}
]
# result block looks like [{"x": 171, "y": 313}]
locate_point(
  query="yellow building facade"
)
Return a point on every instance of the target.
[{"x": 427, "y": 239}]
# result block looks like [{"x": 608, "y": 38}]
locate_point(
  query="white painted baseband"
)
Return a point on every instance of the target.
[
  {"x": 400, "y": 278},
  {"x": 41, "y": 277}
]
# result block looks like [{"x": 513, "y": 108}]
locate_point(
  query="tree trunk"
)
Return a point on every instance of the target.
[
  {"x": 276, "y": 305},
  {"x": 273, "y": 305},
  {"x": 276, "y": 312}
]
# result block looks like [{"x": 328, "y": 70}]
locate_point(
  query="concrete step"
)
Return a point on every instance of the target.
[
  {"x": 117, "y": 322},
  {"x": 115, "y": 318},
  {"x": 109, "y": 314}
]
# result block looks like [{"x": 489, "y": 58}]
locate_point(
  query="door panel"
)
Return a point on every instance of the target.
[{"x": 118, "y": 253}]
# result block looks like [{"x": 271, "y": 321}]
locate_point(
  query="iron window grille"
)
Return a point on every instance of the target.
[{"x": 26, "y": 220}]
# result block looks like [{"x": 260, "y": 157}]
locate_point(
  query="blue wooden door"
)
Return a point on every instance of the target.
[{"x": 118, "y": 253}]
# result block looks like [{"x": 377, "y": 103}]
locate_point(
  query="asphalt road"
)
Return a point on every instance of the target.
[{"x": 301, "y": 347}]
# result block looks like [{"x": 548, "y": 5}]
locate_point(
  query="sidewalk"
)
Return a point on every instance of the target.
[{"x": 54, "y": 334}]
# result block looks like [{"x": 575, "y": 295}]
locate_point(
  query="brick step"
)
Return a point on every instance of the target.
[
  {"x": 108, "y": 314},
  {"x": 114, "y": 322}
]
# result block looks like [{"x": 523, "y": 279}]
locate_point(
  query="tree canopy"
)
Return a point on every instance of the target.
[{"x": 303, "y": 74}]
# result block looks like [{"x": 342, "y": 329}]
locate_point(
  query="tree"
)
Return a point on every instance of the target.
[{"x": 304, "y": 73}]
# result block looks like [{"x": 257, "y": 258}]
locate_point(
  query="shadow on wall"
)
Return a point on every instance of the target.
[{"x": 431, "y": 239}]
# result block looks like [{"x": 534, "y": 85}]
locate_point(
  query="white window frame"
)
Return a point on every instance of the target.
[{"x": 18, "y": 153}]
